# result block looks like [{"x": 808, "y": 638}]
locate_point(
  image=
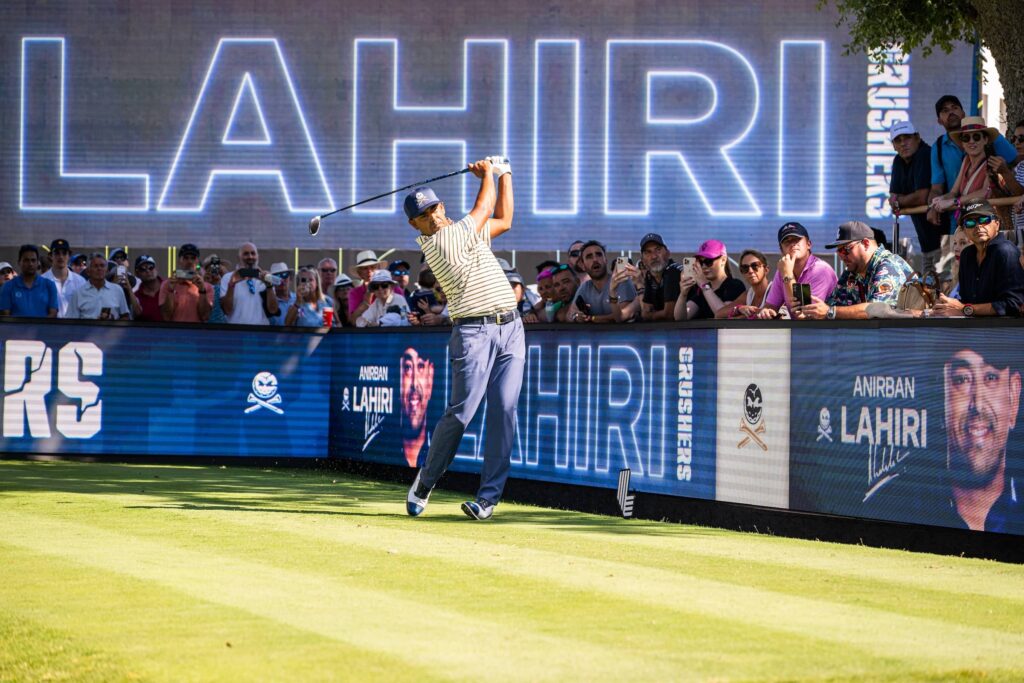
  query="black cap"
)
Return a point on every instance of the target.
[
  {"x": 398, "y": 265},
  {"x": 790, "y": 229},
  {"x": 77, "y": 257},
  {"x": 941, "y": 102},
  {"x": 652, "y": 237},
  {"x": 188, "y": 249},
  {"x": 60, "y": 244},
  {"x": 852, "y": 231},
  {"x": 977, "y": 207}
]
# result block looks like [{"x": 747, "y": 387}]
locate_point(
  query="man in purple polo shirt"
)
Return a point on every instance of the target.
[
  {"x": 797, "y": 265},
  {"x": 29, "y": 295}
]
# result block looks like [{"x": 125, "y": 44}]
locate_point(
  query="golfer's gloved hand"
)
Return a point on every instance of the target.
[{"x": 499, "y": 166}]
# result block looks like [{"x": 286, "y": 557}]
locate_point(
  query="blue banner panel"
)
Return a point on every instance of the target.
[
  {"x": 75, "y": 389},
  {"x": 643, "y": 400},
  {"x": 908, "y": 425}
]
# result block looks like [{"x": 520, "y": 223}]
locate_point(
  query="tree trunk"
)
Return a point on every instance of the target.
[{"x": 1000, "y": 29}]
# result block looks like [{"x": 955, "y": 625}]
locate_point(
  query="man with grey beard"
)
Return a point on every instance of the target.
[{"x": 656, "y": 280}]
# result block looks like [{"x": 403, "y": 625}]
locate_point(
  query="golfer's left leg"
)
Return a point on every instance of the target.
[{"x": 502, "y": 400}]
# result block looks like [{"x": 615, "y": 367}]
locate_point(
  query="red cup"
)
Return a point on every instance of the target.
[{"x": 328, "y": 317}]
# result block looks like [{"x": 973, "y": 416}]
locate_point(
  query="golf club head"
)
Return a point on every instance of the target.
[{"x": 314, "y": 225}]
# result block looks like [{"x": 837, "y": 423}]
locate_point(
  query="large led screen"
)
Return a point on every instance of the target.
[{"x": 217, "y": 122}]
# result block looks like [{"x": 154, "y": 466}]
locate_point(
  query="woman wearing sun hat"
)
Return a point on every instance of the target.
[{"x": 982, "y": 175}]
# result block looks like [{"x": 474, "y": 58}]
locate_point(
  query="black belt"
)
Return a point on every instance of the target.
[{"x": 494, "y": 319}]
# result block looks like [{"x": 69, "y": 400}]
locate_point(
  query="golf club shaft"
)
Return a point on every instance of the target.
[{"x": 399, "y": 189}]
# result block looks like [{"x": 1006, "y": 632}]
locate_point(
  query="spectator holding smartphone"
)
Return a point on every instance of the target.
[
  {"x": 307, "y": 310},
  {"x": 244, "y": 293},
  {"x": 283, "y": 290},
  {"x": 186, "y": 297},
  {"x": 213, "y": 270},
  {"x": 708, "y": 285},
  {"x": 148, "y": 292},
  {"x": 99, "y": 299}
]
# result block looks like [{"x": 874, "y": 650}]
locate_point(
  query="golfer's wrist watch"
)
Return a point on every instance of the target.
[{"x": 968, "y": 311}]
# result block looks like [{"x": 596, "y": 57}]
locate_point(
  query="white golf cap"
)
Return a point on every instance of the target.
[
  {"x": 278, "y": 268},
  {"x": 901, "y": 128},
  {"x": 382, "y": 275},
  {"x": 343, "y": 281},
  {"x": 4, "y": 265}
]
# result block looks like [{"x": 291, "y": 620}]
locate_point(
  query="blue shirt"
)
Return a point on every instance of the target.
[
  {"x": 997, "y": 280},
  {"x": 29, "y": 302},
  {"x": 282, "y": 307}
]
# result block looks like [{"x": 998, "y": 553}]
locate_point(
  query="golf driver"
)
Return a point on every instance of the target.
[{"x": 314, "y": 223}]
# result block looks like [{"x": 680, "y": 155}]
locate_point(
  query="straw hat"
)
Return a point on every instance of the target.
[
  {"x": 972, "y": 124},
  {"x": 367, "y": 258}
]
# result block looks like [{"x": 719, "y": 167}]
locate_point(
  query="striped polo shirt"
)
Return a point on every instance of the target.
[{"x": 470, "y": 275}]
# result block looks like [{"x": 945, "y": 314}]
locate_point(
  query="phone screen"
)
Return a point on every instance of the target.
[
  {"x": 249, "y": 272},
  {"x": 582, "y": 305},
  {"x": 802, "y": 293}
]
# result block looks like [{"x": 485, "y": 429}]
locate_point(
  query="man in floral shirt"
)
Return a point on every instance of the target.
[{"x": 873, "y": 273}]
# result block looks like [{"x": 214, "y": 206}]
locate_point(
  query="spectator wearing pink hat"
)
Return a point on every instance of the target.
[{"x": 709, "y": 284}]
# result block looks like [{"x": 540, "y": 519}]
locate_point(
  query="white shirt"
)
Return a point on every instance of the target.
[
  {"x": 248, "y": 304},
  {"x": 470, "y": 275},
  {"x": 87, "y": 302},
  {"x": 66, "y": 289},
  {"x": 372, "y": 316}
]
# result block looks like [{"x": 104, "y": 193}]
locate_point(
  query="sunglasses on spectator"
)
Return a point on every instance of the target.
[
  {"x": 328, "y": 270},
  {"x": 284, "y": 276},
  {"x": 972, "y": 223},
  {"x": 380, "y": 285},
  {"x": 749, "y": 267},
  {"x": 1017, "y": 138},
  {"x": 847, "y": 248},
  {"x": 973, "y": 137},
  {"x": 575, "y": 253},
  {"x": 399, "y": 273},
  {"x": 145, "y": 266},
  {"x": 560, "y": 268},
  {"x": 707, "y": 262}
]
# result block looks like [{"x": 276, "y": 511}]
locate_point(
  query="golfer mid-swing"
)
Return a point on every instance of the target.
[{"x": 487, "y": 348}]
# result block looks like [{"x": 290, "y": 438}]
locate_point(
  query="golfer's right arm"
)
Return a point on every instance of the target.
[{"x": 484, "y": 206}]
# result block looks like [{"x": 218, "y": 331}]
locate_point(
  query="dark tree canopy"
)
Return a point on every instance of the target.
[{"x": 921, "y": 26}]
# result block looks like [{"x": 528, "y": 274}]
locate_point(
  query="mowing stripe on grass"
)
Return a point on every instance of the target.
[
  {"x": 881, "y": 633},
  {"x": 404, "y": 629}
]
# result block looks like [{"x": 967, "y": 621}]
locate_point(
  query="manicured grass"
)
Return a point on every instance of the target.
[{"x": 130, "y": 572}]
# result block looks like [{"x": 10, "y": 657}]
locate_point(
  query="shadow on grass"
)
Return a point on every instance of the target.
[{"x": 245, "y": 489}]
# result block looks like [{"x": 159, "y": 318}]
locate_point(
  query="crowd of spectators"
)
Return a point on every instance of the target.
[{"x": 971, "y": 260}]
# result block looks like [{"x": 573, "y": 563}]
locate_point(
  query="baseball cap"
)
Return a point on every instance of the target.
[
  {"x": 118, "y": 253},
  {"x": 652, "y": 237},
  {"x": 343, "y": 281},
  {"x": 4, "y": 265},
  {"x": 977, "y": 207},
  {"x": 381, "y": 275},
  {"x": 144, "y": 258},
  {"x": 279, "y": 268},
  {"x": 711, "y": 249},
  {"x": 399, "y": 266},
  {"x": 941, "y": 102},
  {"x": 793, "y": 228},
  {"x": 851, "y": 231},
  {"x": 188, "y": 249},
  {"x": 77, "y": 257},
  {"x": 60, "y": 244},
  {"x": 419, "y": 200},
  {"x": 514, "y": 277},
  {"x": 505, "y": 265},
  {"x": 901, "y": 128}
]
